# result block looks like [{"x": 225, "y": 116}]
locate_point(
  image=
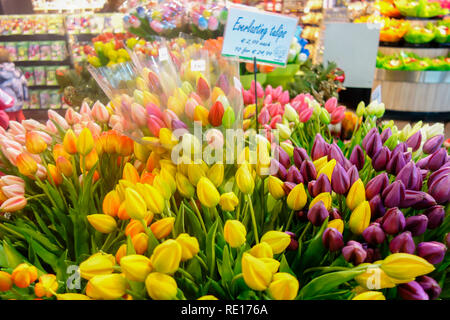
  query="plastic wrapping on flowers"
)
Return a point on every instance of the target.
[{"x": 182, "y": 188}]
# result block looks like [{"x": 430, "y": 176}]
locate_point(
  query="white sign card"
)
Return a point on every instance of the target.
[
  {"x": 251, "y": 33},
  {"x": 353, "y": 47}
]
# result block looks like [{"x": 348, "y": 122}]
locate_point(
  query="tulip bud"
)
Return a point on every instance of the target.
[
  {"x": 111, "y": 203},
  {"x": 34, "y": 142},
  {"x": 317, "y": 213},
  {"x": 166, "y": 257},
  {"x": 277, "y": 240},
  {"x": 97, "y": 264},
  {"x": 435, "y": 215},
  {"x": 433, "y": 144},
  {"x": 354, "y": 252},
  {"x": 228, "y": 118},
  {"x": 410, "y": 176},
  {"x": 332, "y": 239},
  {"x": 290, "y": 114},
  {"x": 189, "y": 246},
  {"x": 13, "y": 204},
  {"x": 377, "y": 185},
  {"x": 404, "y": 266},
  {"x": 360, "y": 218},
  {"x": 394, "y": 194},
  {"x": 340, "y": 181},
  {"x": 353, "y": 174},
  {"x": 135, "y": 204},
  {"x": 299, "y": 156},
  {"x": 244, "y": 179},
  {"x": 24, "y": 275},
  {"x": 412, "y": 291},
  {"x": 373, "y": 234},
  {"x": 372, "y": 142},
  {"x": 102, "y": 223},
  {"x": 257, "y": 274},
  {"x": 337, "y": 224},
  {"x": 163, "y": 227},
  {"x": 393, "y": 221},
  {"x": 320, "y": 186},
  {"x": 357, "y": 157},
  {"x": 26, "y": 164},
  {"x": 135, "y": 267},
  {"x": 432, "y": 251},
  {"x": 430, "y": 286},
  {"x": 356, "y": 195},
  {"x": 386, "y": 134},
  {"x": 262, "y": 250},
  {"x": 161, "y": 286},
  {"x": 234, "y": 233},
  {"x": 84, "y": 142},
  {"x": 64, "y": 166},
  {"x": 414, "y": 141},
  {"x": 215, "y": 174},
  {"x": 207, "y": 193},
  {"x": 284, "y": 286},
  {"x": 5, "y": 281},
  {"x": 294, "y": 175},
  {"x": 402, "y": 243},
  {"x": 381, "y": 159},
  {"x": 417, "y": 225},
  {"x": 370, "y": 295},
  {"x": 108, "y": 287},
  {"x": 308, "y": 171},
  {"x": 319, "y": 148},
  {"x": 297, "y": 198},
  {"x": 439, "y": 189},
  {"x": 184, "y": 187}
]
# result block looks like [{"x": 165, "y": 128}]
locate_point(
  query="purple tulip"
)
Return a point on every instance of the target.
[
  {"x": 432, "y": 251},
  {"x": 407, "y": 156},
  {"x": 423, "y": 163},
  {"x": 294, "y": 243},
  {"x": 347, "y": 164},
  {"x": 412, "y": 291},
  {"x": 288, "y": 186},
  {"x": 381, "y": 159},
  {"x": 317, "y": 214},
  {"x": 178, "y": 124},
  {"x": 435, "y": 215},
  {"x": 401, "y": 147},
  {"x": 396, "y": 163},
  {"x": 322, "y": 185},
  {"x": 377, "y": 185},
  {"x": 437, "y": 174},
  {"x": 276, "y": 166},
  {"x": 433, "y": 144},
  {"x": 308, "y": 171},
  {"x": 372, "y": 143},
  {"x": 409, "y": 176},
  {"x": 332, "y": 239},
  {"x": 422, "y": 200},
  {"x": 417, "y": 225},
  {"x": 353, "y": 174},
  {"x": 385, "y": 134},
  {"x": 403, "y": 243},
  {"x": 282, "y": 155},
  {"x": 354, "y": 252},
  {"x": 357, "y": 157},
  {"x": 334, "y": 214},
  {"x": 377, "y": 208},
  {"x": 393, "y": 221},
  {"x": 440, "y": 189},
  {"x": 373, "y": 254},
  {"x": 394, "y": 194},
  {"x": 340, "y": 181},
  {"x": 299, "y": 156},
  {"x": 430, "y": 286},
  {"x": 294, "y": 175},
  {"x": 336, "y": 154},
  {"x": 320, "y": 148},
  {"x": 373, "y": 234},
  {"x": 437, "y": 159},
  {"x": 414, "y": 141}
]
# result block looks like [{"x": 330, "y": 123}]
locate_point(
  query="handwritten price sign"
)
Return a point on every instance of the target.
[{"x": 251, "y": 33}]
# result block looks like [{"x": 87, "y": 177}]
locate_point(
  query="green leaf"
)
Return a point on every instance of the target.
[
  {"x": 194, "y": 268},
  {"x": 327, "y": 282},
  {"x": 45, "y": 229},
  {"x": 210, "y": 248},
  {"x": 315, "y": 251},
  {"x": 35, "y": 235},
  {"x": 152, "y": 241},
  {"x": 13, "y": 257},
  {"x": 130, "y": 247},
  {"x": 284, "y": 266},
  {"x": 226, "y": 272},
  {"x": 178, "y": 228}
]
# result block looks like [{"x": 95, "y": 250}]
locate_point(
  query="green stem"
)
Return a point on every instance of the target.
[
  {"x": 186, "y": 274},
  {"x": 198, "y": 214},
  {"x": 36, "y": 196},
  {"x": 203, "y": 264},
  {"x": 252, "y": 213},
  {"x": 2, "y": 226},
  {"x": 174, "y": 204},
  {"x": 289, "y": 221}
]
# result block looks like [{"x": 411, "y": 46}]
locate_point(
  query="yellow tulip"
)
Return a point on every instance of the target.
[
  {"x": 325, "y": 197},
  {"x": 272, "y": 264},
  {"x": 85, "y": 142},
  {"x": 257, "y": 274},
  {"x": 97, "y": 264},
  {"x": 297, "y": 198},
  {"x": 34, "y": 142},
  {"x": 338, "y": 224},
  {"x": 262, "y": 250},
  {"x": 360, "y": 218},
  {"x": 153, "y": 198},
  {"x": 215, "y": 174},
  {"x": 284, "y": 286},
  {"x": 405, "y": 266},
  {"x": 162, "y": 186},
  {"x": 163, "y": 227},
  {"x": 278, "y": 240},
  {"x": 108, "y": 287},
  {"x": 228, "y": 201},
  {"x": 207, "y": 297},
  {"x": 275, "y": 186},
  {"x": 169, "y": 179},
  {"x": 70, "y": 142},
  {"x": 130, "y": 173},
  {"x": 166, "y": 257},
  {"x": 135, "y": 205},
  {"x": 327, "y": 169},
  {"x": 161, "y": 286},
  {"x": 184, "y": 187},
  {"x": 195, "y": 172},
  {"x": 167, "y": 138},
  {"x": 320, "y": 163},
  {"x": 374, "y": 278},
  {"x": 234, "y": 233},
  {"x": 207, "y": 193},
  {"x": 135, "y": 267},
  {"x": 72, "y": 296},
  {"x": 141, "y": 152},
  {"x": 189, "y": 246},
  {"x": 244, "y": 179},
  {"x": 103, "y": 223},
  {"x": 356, "y": 194},
  {"x": 370, "y": 295}
]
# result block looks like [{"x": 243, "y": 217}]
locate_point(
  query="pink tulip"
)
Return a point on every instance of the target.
[
  {"x": 299, "y": 98},
  {"x": 16, "y": 128},
  {"x": 264, "y": 116},
  {"x": 9, "y": 180},
  {"x": 72, "y": 117},
  {"x": 95, "y": 129},
  {"x": 196, "y": 97},
  {"x": 338, "y": 115},
  {"x": 113, "y": 120},
  {"x": 275, "y": 120},
  {"x": 259, "y": 89},
  {"x": 248, "y": 97},
  {"x": 190, "y": 107},
  {"x": 168, "y": 117},
  {"x": 154, "y": 110},
  {"x": 99, "y": 112},
  {"x": 47, "y": 138},
  {"x": 138, "y": 115},
  {"x": 11, "y": 154},
  {"x": 214, "y": 138},
  {"x": 284, "y": 98},
  {"x": 41, "y": 172},
  {"x": 13, "y": 204},
  {"x": 269, "y": 90},
  {"x": 305, "y": 115},
  {"x": 13, "y": 190},
  {"x": 50, "y": 127},
  {"x": 85, "y": 111},
  {"x": 155, "y": 124},
  {"x": 277, "y": 92},
  {"x": 2, "y": 131},
  {"x": 331, "y": 104},
  {"x": 267, "y": 100},
  {"x": 8, "y": 143},
  {"x": 31, "y": 124},
  {"x": 53, "y": 115}
]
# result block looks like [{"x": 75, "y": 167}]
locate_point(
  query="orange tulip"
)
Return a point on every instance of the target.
[
  {"x": 122, "y": 213},
  {"x": 111, "y": 203},
  {"x": 121, "y": 252},
  {"x": 64, "y": 166},
  {"x": 58, "y": 151},
  {"x": 46, "y": 286},
  {"x": 140, "y": 242},
  {"x": 147, "y": 178},
  {"x": 24, "y": 275},
  {"x": 152, "y": 162},
  {"x": 26, "y": 164},
  {"x": 34, "y": 142},
  {"x": 54, "y": 175},
  {"x": 133, "y": 228},
  {"x": 5, "y": 281},
  {"x": 70, "y": 142},
  {"x": 163, "y": 227},
  {"x": 130, "y": 173},
  {"x": 125, "y": 146},
  {"x": 89, "y": 161}
]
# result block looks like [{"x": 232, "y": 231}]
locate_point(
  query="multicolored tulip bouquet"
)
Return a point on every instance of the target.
[{"x": 281, "y": 210}]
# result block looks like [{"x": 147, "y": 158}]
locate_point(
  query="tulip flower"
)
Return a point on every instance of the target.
[
  {"x": 13, "y": 191},
  {"x": 373, "y": 234},
  {"x": 166, "y": 257},
  {"x": 99, "y": 112},
  {"x": 357, "y": 157},
  {"x": 377, "y": 185},
  {"x": 111, "y": 203},
  {"x": 107, "y": 287},
  {"x": 275, "y": 187},
  {"x": 393, "y": 194},
  {"x": 430, "y": 286},
  {"x": 360, "y": 218},
  {"x": 417, "y": 225},
  {"x": 135, "y": 267},
  {"x": 370, "y": 295},
  {"x": 13, "y": 204},
  {"x": 195, "y": 172},
  {"x": 163, "y": 227},
  {"x": 228, "y": 118},
  {"x": 297, "y": 198},
  {"x": 332, "y": 239},
  {"x": 340, "y": 181},
  {"x": 70, "y": 142},
  {"x": 402, "y": 243},
  {"x": 381, "y": 159},
  {"x": 356, "y": 194},
  {"x": 152, "y": 197},
  {"x": 299, "y": 156},
  {"x": 46, "y": 286},
  {"x": 189, "y": 246},
  {"x": 278, "y": 240},
  {"x": 372, "y": 142},
  {"x": 435, "y": 215},
  {"x": 284, "y": 286},
  {"x": 337, "y": 224},
  {"x": 308, "y": 171},
  {"x": 140, "y": 243},
  {"x": 103, "y": 223},
  {"x": 64, "y": 166},
  {"x": 412, "y": 291},
  {"x": 228, "y": 201},
  {"x": 257, "y": 274},
  {"x": 135, "y": 204},
  {"x": 353, "y": 252},
  {"x": 414, "y": 141},
  {"x": 317, "y": 213},
  {"x": 432, "y": 251},
  {"x": 393, "y": 221},
  {"x": 34, "y": 142},
  {"x": 262, "y": 250},
  {"x": 54, "y": 175},
  {"x": 353, "y": 174},
  {"x": 439, "y": 189},
  {"x": 161, "y": 286},
  {"x": 215, "y": 174},
  {"x": 23, "y": 275},
  {"x": 85, "y": 142},
  {"x": 396, "y": 163},
  {"x": 433, "y": 144},
  {"x": 410, "y": 176},
  {"x": 5, "y": 281},
  {"x": 97, "y": 264},
  {"x": 207, "y": 193},
  {"x": 26, "y": 164},
  {"x": 405, "y": 266},
  {"x": 234, "y": 233},
  {"x": 184, "y": 187},
  {"x": 244, "y": 179}
]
